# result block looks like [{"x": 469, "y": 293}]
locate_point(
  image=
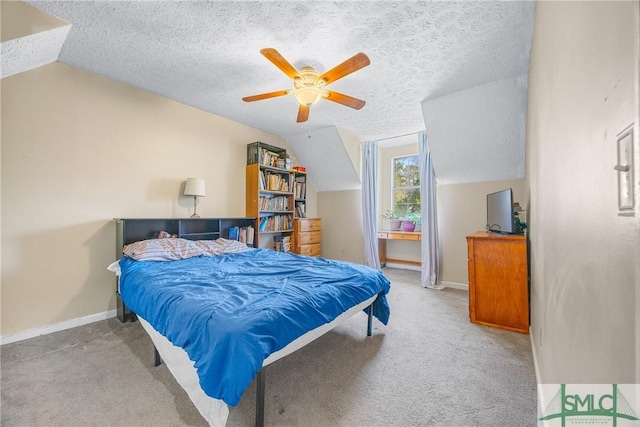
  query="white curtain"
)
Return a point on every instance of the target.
[
  {"x": 370, "y": 203},
  {"x": 430, "y": 250}
]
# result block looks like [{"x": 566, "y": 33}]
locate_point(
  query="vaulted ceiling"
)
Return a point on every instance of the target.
[{"x": 207, "y": 54}]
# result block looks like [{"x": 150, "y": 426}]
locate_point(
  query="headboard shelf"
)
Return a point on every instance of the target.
[{"x": 131, "y": 230}]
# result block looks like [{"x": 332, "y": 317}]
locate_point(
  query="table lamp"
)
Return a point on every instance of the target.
[{"x": 194, "y": 187}]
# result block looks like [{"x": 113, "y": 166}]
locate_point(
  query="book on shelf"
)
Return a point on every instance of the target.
[
  {"x": 264, "y": 154},
  {"x": 234, "y": 233},
  {"x": 301, "y": 210},
  {"x": 269, "y": 158},
  {"x": 276, "y": 182},
  {"x": 276, "y": 223},
  {"x": 273, "y": 203},
  {"x": 250, "y": 235},
  {"x": 242, "y": 234},
  {"x": 282, "y": 243},
  {"x": 262, "y": 185},
  {"x": 300, "y": 189},
  {"x": 246, "y": 235}
]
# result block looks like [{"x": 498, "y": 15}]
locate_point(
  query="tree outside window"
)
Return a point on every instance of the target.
[{"x": 406, "y": 185}]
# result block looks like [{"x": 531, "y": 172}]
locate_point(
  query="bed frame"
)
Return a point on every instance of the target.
[{"x": 133, "y": 230}]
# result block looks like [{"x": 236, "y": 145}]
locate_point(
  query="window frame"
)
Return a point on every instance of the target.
[{"x": 394, "y": 206}]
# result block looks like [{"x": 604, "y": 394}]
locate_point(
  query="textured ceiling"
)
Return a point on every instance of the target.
[
  {"x": 206, "y": 54},
  {"x": 33, "y": 51},
  {"x": 478, "y": 134},
  {"x": 28, "y": 38}
]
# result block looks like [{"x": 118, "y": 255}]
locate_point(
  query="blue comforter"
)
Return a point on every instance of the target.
[{"x": 230, "y": 312}]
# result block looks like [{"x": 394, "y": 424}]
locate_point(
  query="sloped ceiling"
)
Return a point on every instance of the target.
[
  {"x": 478, "y": 134},
  {"x": 30, "y": 38},
  {"x": 206, "y": 54},
  {"x": 334, "y": 169}
]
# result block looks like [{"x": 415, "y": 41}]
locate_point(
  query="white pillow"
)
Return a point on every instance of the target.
[
  {"x": 163, "y": 249},
  {"x": 221, "y": 246}
]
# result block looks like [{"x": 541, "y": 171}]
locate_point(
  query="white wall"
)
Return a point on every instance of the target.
[
  {"x": 583, "y": 85},
  {"x": 478, "y": 134},
  {"x": 77, "y": 151},
  {"x": 462, "y": 210}
]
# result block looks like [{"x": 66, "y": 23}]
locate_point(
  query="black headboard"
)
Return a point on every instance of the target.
[{"x": 131, "y": 230}]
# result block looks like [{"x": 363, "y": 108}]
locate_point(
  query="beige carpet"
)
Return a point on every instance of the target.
[{"x": 429, "y": 366}]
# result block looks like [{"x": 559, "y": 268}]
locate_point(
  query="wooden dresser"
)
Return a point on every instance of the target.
[
  {"x": 307, "y": 236},
  {"x": 498, "y": 281}
]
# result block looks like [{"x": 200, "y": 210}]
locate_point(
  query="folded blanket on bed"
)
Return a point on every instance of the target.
[{"x": 230, "y": 312}]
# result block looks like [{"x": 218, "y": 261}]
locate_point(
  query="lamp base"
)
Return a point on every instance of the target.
[{"x": 195, "y": 207}]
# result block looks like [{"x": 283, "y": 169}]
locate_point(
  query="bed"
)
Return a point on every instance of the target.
[{"x": 219, "y": 312}]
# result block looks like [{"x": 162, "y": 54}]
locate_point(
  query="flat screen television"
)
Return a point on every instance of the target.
[{"x": 500, "y": 217}]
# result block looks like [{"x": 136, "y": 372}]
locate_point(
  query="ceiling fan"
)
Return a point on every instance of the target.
[{"x": 309, "y": 85}]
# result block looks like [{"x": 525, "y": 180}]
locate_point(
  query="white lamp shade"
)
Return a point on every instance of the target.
[{"x": 194, "y": 187}]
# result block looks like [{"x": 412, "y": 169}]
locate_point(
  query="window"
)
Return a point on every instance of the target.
[{"x": 406, "y": 185}]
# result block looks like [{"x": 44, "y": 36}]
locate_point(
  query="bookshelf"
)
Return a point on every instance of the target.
[
  {"x": 270, "y": 200},
  {"x": 277, "y": 197},
  {"x": 300, "y": 193}
]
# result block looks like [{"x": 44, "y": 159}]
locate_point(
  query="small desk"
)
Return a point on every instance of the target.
[{"x": 383, "y": 236}]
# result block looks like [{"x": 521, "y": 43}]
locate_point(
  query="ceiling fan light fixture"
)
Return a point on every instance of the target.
[
  {"x": 308, "y": 95},
  {"x": 310, "y": 86}
]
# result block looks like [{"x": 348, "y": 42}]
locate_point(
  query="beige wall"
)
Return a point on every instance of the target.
[
  {"x": 341, "y": 213},
  {"x": 78, "y": 150},
  {"x": 583, "y": 84},
  {"x": 462, "y": 210}
]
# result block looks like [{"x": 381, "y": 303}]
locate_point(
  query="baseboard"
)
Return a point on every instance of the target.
[
  {"x": 61, "y": 326},
  {"x": 402, "y": 266},
  {"x": 534, "y": 352},
  {"x": 455, "y": 285},
  {"x": 542, "y": 400}
]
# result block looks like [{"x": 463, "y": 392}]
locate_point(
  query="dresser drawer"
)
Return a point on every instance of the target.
[
  {"x": 310, "y": 224},
  {"x": 308, "y": 237},
  {"x": 313, "y": 249}
]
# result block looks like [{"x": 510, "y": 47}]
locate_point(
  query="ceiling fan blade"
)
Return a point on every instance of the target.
[
  {"x": 303, "y": 113},
  {"x": 343, "y": 99},
  {"x": 266, "y": 95},
  {"x": 356, "y": 62},
  {"x": 278, "y": 60}
]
